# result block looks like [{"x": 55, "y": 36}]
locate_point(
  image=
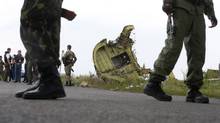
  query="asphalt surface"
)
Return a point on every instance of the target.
[{"x": 87, "y": 105}]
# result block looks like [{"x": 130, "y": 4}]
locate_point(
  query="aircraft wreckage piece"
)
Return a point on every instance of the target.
[{"x": 115, "y": 60}]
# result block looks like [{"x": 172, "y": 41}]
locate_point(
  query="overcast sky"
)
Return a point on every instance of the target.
[{"x": 98, "y": 19}]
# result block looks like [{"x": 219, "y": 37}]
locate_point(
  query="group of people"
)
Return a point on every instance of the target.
[
  {"x": 40, "y": 34},
  {"x": 11, "y": 66}
]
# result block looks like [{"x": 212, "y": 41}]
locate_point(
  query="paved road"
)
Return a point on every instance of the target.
[{"x": 85, "y": 105}]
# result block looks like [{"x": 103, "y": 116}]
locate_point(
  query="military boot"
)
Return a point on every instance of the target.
[
  {"x": 194, "y": 95},
  {"x": 50, "y": 86},
  {"x": 154, "y": 89},
  {"x": 34, "y": 87}
]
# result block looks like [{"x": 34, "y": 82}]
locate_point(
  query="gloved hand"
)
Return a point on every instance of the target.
[
  {"x": 69, "y": 15},
  {"x": 214, "y": 21},
  {"x": 167, "y": 6}
]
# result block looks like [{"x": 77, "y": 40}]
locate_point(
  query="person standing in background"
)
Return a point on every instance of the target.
[
  {"x": 69, "y": 59},
  {"x": 19, "y": 60},
  {"x": 7, "y": 59}
]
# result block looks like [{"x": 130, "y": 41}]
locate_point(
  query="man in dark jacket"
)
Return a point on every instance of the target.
[{"x": 19, "y": 60}]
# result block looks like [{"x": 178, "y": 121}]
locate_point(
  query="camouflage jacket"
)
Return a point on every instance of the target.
[
  {"x": 37, "y": 10},
  {"x": 69, "y": 58},
  {"x": 201, "y": 7}
]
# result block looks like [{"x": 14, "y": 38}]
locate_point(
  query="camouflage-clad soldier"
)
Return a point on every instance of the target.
[
  {"x": 189, "y": 28},
  {"x": 69, "y": 60},
  {"x": 1, "y": 68},
  {"x": 40, "y": 34},
  {"x": 7, "y": 59}
]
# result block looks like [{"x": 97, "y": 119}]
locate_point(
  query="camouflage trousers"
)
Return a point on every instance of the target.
[
  {"x": 190, "y": 31},
  {"x": 1, "y": 75},
  {"x": 40, "y": 30},
  {"x": 7, "y": 72},
  {"x": 68, "y": 70}
]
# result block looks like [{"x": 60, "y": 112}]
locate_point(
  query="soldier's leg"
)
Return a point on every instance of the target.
[
  {"x": 70, "y": 78},
  {"x": 42, "y": 43},
  {"x": 50, "y": 82},
  {"x": 25, "y": 73},
  {"x": 195, "y": 48},
  {"x": 1, "y": 75},
  {"x": 35, "y": 73},
  {"x": 7, "y": 73},
  {"x": 50, "y": 85},
  {"x": 29, "y": 72},
  {"x": 68, "y": 75},
  {"x": 169, "y": 55}
]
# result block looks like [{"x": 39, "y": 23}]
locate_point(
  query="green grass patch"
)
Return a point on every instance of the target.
[{"x": 210, "y": 88}]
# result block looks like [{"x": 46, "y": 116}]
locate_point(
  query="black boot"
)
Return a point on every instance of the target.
[
  {"x": 51, "y": 86},
  {"x": 34, "y": 87},
  {"x": 194, "y": 95},
  {"x": 154, "y": 89}
]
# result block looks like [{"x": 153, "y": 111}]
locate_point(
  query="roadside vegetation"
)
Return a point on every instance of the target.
[{"x": 172, "y": 86}]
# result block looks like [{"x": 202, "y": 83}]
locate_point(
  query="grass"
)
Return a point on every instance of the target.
[{"x": 210, "y": 88}]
